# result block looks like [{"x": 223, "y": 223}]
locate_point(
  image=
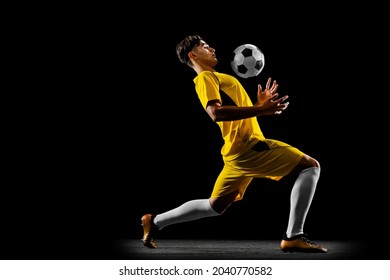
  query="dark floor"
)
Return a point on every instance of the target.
[
  {"x": 185, "y": 249},
  {"x": 234, "y": 249}
]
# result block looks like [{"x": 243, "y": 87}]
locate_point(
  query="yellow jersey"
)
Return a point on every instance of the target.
[{"x": 240, "y": 135}]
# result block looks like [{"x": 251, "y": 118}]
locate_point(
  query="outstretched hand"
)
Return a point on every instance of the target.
[{"x": 268, "y": 99}]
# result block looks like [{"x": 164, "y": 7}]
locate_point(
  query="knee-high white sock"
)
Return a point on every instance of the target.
[
  {"x": 301, "y": 197},
  {"x": 191, "y": 210}
]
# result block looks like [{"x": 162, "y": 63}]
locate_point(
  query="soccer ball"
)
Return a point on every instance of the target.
[{"x": 247, "y": 61}]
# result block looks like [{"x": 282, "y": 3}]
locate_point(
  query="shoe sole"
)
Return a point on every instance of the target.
[{"x": 303, "y": 251}]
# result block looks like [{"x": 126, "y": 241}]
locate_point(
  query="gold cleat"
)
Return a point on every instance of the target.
[
  {"x": 149, "y": 228},
  {"x": 300, "y": 243}
]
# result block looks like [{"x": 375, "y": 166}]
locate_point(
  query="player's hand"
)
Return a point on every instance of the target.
[
  {"x": 268, "y": 99},
  {"x": 269, "y": 91}
]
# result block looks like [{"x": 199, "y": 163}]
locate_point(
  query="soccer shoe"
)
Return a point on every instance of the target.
[
  {"x": 149, "y": 228},
  {"x": 300, "y": 243}
]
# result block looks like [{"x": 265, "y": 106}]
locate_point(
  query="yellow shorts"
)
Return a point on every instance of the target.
[{"x": 274, "y": 163}]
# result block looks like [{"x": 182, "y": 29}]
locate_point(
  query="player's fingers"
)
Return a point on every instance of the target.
[
  {"x": 268, "y": 83},
  {"x": 259, "y": 89},
  {"x": 274, "y": 96},
  {"x": 274, "y": 86},
  {"x": 283, "y": 105},
  {"x": 280, "y": 100}
]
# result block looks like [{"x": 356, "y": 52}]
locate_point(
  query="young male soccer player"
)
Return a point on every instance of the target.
[{"x": 246, "y": 153}]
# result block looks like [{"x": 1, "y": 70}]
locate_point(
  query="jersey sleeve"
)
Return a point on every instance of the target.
[{"x": 207, "y": 87}]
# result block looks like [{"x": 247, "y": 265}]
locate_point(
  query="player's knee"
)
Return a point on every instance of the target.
[
  {"x": 316, "y": 163},
  {"x": 219, "y": 208},
  {"x": 220, "y": 204},
  {"x": 308, "y": 161}
]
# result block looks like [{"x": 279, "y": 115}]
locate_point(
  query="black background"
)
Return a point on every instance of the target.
[{"x": 122, "y": 132}]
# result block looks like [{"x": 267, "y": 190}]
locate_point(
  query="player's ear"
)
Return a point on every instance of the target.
[{"x": 191, "y": 55}]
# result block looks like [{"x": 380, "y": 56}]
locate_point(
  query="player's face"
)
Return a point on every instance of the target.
[{"x": 206, "y": 54}]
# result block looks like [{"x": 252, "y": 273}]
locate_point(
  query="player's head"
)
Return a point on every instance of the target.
[
  {"x": 193, "y": 48},
  {"x": 187, "y": 45}
]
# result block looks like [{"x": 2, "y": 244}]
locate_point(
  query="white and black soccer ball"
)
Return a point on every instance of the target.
[{"x": 247, "y": 61}]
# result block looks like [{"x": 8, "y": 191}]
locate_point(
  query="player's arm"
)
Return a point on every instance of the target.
[
  {"x": 267, "y": 103},
  {"x": 220, "y": 113}
]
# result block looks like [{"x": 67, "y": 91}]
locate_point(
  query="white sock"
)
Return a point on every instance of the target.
[
  {"x": 301, "y": 197},
  {"x": 191, "y": 210}
]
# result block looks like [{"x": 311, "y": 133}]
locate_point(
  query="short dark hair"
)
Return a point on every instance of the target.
[{"x": 185, "y": 46}]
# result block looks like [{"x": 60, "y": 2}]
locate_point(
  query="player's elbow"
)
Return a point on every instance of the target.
[
  {"x": 214, "y": 118},
  {"x": 217, "y": 115},
  {"x": 212, "y": 112}
]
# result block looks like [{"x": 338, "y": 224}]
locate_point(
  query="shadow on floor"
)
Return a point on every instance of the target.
[{"x": 176, "y": 249}]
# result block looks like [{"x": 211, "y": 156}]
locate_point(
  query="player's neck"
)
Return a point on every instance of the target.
[{"x": 200, "y": 68}]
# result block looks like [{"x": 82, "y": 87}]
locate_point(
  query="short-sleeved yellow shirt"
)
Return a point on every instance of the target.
[
  {"x": 241, "y": 162},
  {"x": 238, "y": 135}
]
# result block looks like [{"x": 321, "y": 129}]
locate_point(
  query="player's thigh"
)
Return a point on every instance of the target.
[{"x": 230, "y": 181}]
